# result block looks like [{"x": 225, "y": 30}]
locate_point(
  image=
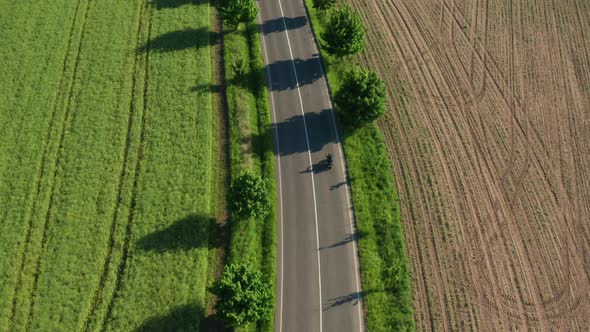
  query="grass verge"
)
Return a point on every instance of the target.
[
  {"x": 250, "y": 145},
  {"x": 384, "y": 266},
  {"x": 220, "y": 183}
]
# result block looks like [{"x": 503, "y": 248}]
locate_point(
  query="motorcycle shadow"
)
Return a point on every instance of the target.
[{"x": 319, "y": 167}]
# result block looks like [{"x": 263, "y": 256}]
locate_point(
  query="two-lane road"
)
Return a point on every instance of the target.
[{"x": 318, "y": 273}]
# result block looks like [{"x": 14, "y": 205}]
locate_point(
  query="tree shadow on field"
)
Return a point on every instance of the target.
[
  {"x": 206, "y": 88},
  {"x": 162, "y": 4},
  {"x": 188, "y": 317},
  {"x": 193, "y": 231},
  {"x": 180, "y": 40}
]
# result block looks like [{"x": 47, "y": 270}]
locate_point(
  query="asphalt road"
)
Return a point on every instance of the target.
[{"x": 318, "y": 286}]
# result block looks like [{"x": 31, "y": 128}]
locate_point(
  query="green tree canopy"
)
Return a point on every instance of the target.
[
  {"x": 233, "y": 12},
  {"x": 324, "y": 4},
  {"x": 362, "y": 97},
  {"x": 345, "y": 33},
  {"x": 243, "y": 297},
  {"x": 248, "y": 197}
]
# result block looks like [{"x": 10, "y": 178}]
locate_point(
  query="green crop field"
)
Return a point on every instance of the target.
[{"x": 105, "y": 164}]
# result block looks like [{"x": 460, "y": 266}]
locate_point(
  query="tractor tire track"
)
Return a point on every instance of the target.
[
  {"x": 421, "y": 175},
  {"x": 490, "y": 166},
  {"x": 66, "y": 121},
  {"x": 416, "y": 52},
  {"x": 39, "y": 183},
  {"x": 132, "y": 208},
  {"x": 523, "y": 173},
  {"x": 432, "y": 324},
  {"x": 512, "y": 103},
  {"x": 430, "y": 77},
  {"x": 123, "y": 176}
]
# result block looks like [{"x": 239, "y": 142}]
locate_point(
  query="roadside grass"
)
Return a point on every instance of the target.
[
  {"x": 251, "y": 150},
  {"x": 221, "y": 171},
  {"x": 105, "y": 165},
  {"x": 385, "y": 271}
]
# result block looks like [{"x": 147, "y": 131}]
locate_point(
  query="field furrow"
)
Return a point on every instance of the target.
[
  {"x": 40, "y": 153},
  {"x": 165, "y": 246},
  {"x": 113, "y": 265},
  {"x": 83, "y": 147},
  {"x": 105, "y": 164},
  {"x": 488, "y": 104},
  {"x": 34, "y": 200},
  {"x": 122, "y": 266},
  {"x": 52, "y": 177}
]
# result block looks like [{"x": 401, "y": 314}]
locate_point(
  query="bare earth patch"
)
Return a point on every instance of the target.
[{"x": 490, "y": 139}]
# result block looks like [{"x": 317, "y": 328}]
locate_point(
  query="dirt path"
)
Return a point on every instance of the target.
[{"x": 491, "y": 149}]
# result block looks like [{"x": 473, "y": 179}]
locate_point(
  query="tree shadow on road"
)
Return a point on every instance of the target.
[
  {"x": 277, "y": 24},
  {"x": 320, "y": 131},
  {"x": 282, "y": 77}
]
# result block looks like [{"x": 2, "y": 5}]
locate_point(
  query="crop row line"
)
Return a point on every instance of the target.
[
  {"x": 39, "y": 177},
  {"x": 123, "y": 264},
  {"x": 67, "y": 116},
  {"x": 128, "y": 142},
  {"x": 423, "y": 252}
]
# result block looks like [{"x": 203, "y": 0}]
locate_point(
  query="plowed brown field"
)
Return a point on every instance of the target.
[{"x": 490, "y": 139}]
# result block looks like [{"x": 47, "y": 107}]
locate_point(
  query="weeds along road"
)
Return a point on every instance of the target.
[{"x": 318, "y": 273}]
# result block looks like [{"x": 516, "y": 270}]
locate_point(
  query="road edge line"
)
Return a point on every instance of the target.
[
  {"x": 276, "y": 137},
  {"x": 353, "y": 228},
  {"x": 310, "y": 161}
]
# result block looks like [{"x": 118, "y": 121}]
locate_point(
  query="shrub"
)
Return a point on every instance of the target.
[
  {"x": 243, "y": 297},
  {"x": 323, "y": 4},
  {"x": 248, "y": 198},
  {"x": 345, "y": 33},
  {"x": 362, "y": 97},
  {"x": 233, "y": 12},
  {"x": 240, "y": 68}
]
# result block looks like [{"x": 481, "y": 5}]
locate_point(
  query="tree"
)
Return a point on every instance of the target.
[
  {"x": 323, "y": 4},
  {"x": 248, "y": 198},
  {"x": 345, "y": 33},
  {"x": 362, "y": 97},
  {"x": 243, "y": 297},
  {"x": 233, "y": 12}
]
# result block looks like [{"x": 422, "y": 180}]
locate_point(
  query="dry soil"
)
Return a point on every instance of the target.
[{"x": 489, "y": 133}]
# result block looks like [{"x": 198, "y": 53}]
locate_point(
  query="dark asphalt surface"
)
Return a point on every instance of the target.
[{"x": 318, "y": 277}]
